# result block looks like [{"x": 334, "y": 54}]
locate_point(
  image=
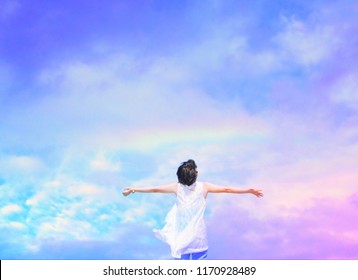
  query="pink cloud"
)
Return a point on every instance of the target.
[{"x": 327, "y": 230}]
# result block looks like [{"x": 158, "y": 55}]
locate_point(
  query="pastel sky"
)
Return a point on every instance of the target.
[{"x": 99, "y": 95}]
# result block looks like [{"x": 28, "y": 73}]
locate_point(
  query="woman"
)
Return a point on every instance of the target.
[{"x": 184, "y": 229}]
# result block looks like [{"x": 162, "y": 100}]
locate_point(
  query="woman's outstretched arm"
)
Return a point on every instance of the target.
[
  {"x": 170, "y": 188},
  {"x": 211, "y": 188}
]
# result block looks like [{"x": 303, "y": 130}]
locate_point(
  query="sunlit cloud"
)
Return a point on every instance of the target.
[{"x": 8, "y": 209}]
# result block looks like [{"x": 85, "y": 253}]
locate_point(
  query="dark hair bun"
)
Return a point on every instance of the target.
[
  {"x": 190, "y": 163},
  {"x": 187, "y": 173}
]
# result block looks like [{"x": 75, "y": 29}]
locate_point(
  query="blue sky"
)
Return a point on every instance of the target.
[{"x": 97, "y": 96}]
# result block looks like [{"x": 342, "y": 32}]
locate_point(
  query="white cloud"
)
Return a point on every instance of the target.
[
  {"x": 9, "y": 209},
  {"x": 307, "y": 43},
  {"x": 67, "y": 208},
  {"x": 45, "y": 192},
  {"x": 53, "y": 184},
  {"x": 345, "y": 90},
  {"x": 101, "y": 163},
  {"x": 117, "y": 103},
  {"x": 85, "y": 189},
  {"x": 17, "y": 165},
  {"x": 134, "y": 214},
  {"x": 105, "y": 217},
  {"x": 36, "y": 199},
  {"x": 17, "y": 225},
  {"x": 64, "y": 228}
]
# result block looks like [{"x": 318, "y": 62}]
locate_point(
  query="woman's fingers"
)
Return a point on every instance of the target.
[{"x": 126, "y": 191}]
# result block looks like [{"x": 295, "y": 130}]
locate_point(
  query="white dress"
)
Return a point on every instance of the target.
[{"x": 185, "y": 229}]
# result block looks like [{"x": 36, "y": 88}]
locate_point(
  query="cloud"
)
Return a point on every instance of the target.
[
  {"x": 123, "y": 246},
  {"x": 118, "y": 102},
  {"x": 17, "y": 225},
  {"x": 101, "y": 163},
  {"x": 344, "y": 90},
  {"x": 84, "y": 190},
  {"x": 323, "y": 231},
  {"x": 23, "y": 163},
  {"x": 105, "y": 96},
  {"x": 9, "y": 209},
  {"x": 308, "y": 43},
  {"x": 17, "y": 166},
  {"x": 65, "y": 228}
]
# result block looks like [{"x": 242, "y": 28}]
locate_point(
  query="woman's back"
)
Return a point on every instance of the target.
[
  {"x": 190, "y": 204},
  {"x": 185, "y": 229}
]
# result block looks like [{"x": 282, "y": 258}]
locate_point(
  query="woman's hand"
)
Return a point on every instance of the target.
[
  {"x": 258, "y": 193},
  {"x": 127, "y": 191}
]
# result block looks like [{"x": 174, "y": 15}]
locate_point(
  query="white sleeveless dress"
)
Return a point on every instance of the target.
[{"x": 185, "y": 229}]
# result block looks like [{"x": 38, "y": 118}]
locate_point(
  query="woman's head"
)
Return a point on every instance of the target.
[{"x": 187, "y": 173}]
